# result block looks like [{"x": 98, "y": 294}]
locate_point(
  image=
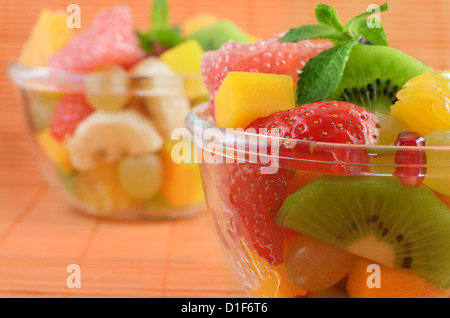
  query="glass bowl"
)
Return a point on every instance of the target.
[
  {"x": 295, "y": 223},
  {"x": 118, "y": 159}
]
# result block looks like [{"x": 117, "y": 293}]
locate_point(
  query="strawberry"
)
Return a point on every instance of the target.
[
  {"x": 329, "y": 121},
  {"x": 270, "y": 56},
  {"x": 69, "y": 112},
  {"x": 257, "y": 197}
]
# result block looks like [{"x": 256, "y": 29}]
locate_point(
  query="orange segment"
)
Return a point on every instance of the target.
[
  {"x": 393, "y": 283},
  {"x": 424, "y": 102}
]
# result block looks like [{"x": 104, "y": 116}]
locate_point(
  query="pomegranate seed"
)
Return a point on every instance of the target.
[{"x": 410, "y": 170}]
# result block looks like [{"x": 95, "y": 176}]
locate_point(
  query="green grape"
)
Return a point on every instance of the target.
[
  {"x": 141, "y": 177},
  {"x": 315, "y": 265},
  {"x": 438, "y": 171},
  {"x": 41, "y": 109},
  {"x": 107, "y": 88}
]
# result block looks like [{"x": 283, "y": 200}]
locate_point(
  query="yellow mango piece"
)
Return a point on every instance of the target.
[
  {"x": 245, "y": 96},
  {"x": 185, "y": 59},
  {"x": 182, "y": 183},
  {"x": 49, "y": 34},
  {"x": 55, "y": 150}
]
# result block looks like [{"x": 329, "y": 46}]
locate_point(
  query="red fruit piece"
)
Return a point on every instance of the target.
[
  {"x": 69, "y": 112},
  {"x": 329, "y": 121},
  {"x": 269, "y": 56},
  {"x": 111, "y": 40},
  {"x": 410, "y": 170},
  {"x": 257, "y": 198}
]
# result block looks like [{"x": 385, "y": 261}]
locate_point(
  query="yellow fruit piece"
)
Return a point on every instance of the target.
[
  {"x": 245, "y": 96},
  {"x": 393, "y": 283},
  {"x": 49, "y": 34},
  {"x": 424, "y": 102},
  {"x": 100, "y": 190},
  {"x": 438, "y": 172},
  {"x": 273, "y": 280},
  {"x": 55, "y": 150},
  {"x": 185, "y": 59},
  {"x": 198, "y": 22},
  {"x": 252, "y": 38},
  {"x": 194, "y": 87},
  {"x": 182, "y": 183}
]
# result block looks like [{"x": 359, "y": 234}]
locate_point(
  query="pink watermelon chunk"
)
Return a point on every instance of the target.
[{"x": 111, "y": 39}]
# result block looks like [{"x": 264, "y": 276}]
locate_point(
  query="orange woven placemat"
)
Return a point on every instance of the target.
[{"x": 40, "y": 235}]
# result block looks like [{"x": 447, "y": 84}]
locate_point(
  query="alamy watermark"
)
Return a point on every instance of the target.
[
  {"x": 229, "y": 146},
  {"x": 74, "y": 19},
  {"x": 374, "y": 20}
]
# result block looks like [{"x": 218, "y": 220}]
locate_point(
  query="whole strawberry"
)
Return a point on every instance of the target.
[
  {"x": 69, "y": 112},
  {"x": 257, "y": 197},
  {"x": 330, "y": 122}
]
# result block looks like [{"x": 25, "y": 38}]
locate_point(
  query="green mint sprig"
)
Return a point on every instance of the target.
[
  {"x": 161, "y": 32},
  {"x": 322, "y": 74}
]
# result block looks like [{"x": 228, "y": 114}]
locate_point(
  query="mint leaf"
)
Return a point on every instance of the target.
[
  {"x": 312, "y": 31},
  {"x": 145, "y": 41},
  {"x": 326, "y": 15},
  {"x": 160, "y": 14},
  {"x": 161, "y": 32},
  {"x": 322, "y": 74},
  {"x": 350, "y": 25},
  {"x": 168, "y": 37}
]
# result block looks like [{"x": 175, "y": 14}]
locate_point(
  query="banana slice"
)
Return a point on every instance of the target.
[
  {"x": 154, "y": 77},
  {"x": 167, "y": 112},
  {"x": 106, "y": 137}
]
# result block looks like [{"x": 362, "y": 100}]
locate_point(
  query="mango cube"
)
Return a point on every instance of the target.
[
  {"x": 49, "y": 34},
  {"x": 245, "y": 96},
  {"x": 55, "y": 150},
  {"x": 182, "y": 184},
  {"x": 185, "y": 59}
]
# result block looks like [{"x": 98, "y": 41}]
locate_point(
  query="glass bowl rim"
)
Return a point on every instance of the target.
[
  {"x": 42, "y": 78},
  {"x": 195, "y": 127}
]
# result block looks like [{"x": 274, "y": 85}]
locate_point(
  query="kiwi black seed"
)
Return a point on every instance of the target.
[
  {"x": 377, "y": 218},
  {"x": 374, "y": 74}
]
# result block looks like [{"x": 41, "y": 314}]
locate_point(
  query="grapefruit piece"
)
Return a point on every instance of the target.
[
  {"x": 269, "y": 56},
  {"x": 111, "y": 40}
]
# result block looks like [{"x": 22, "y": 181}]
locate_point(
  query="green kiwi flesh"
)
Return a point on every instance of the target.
[
  {"x": 377, "y": 218},
  {"x": 213, "y": 36},
  {"x": 374, "y": 74}
]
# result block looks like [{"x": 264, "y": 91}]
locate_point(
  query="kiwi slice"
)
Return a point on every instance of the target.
[
  {"x": 377, "y": 218},
  {"x": 374, "y": 74},
  {"x": 213, "y": 36}
]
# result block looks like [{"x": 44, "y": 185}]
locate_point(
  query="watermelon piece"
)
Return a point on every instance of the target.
[{"x": 111, "y": 40}]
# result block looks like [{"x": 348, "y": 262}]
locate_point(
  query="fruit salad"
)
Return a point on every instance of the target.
[
  {"x": 103, "y": 102},
  {"x": 356, "y": 203}
]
